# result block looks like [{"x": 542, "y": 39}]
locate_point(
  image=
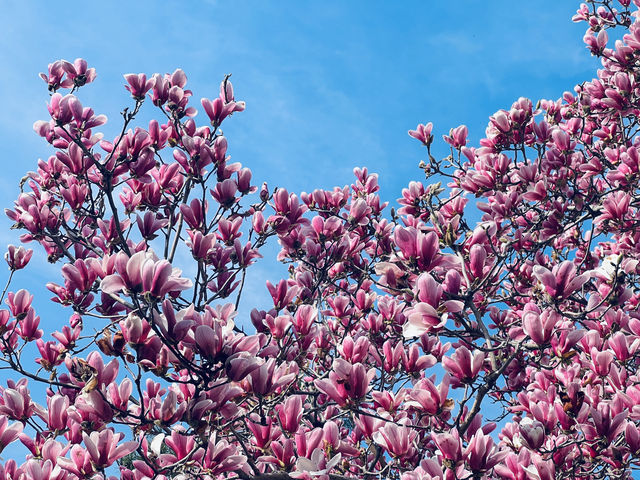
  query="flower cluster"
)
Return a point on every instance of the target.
[{"x": 380, "y": 353}]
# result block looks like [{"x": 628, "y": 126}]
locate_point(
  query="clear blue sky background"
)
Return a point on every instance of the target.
[{"x": 329, "y": 85}]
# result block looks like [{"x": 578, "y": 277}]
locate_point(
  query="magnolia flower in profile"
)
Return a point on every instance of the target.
[
  {"x": 463, "y": 364},
  {"x": 449, "y": 444},
  {"x": 138, "y": 85},
  {"x": 395, "y": 439},
  {"x": 562, "y": 280},
  {"x": 223, "y": 106},
  {"x": 482, "y": 454},
  {"x": 531, "y": 433},
  {"x": 78, "y": 72},
  {"x": 105, "y": 447},
  {"x": 429, "y": 313},
  {"x": 540, "y": 326},
  {"x": 144, "y": 273},
  {"x": 346, "y": 382},
  {"x": 8, "y": 433},
  {"x": 423, "y": 133},
  {"x": 457, "y": 137},
  {"x": 17, "y": 257}
]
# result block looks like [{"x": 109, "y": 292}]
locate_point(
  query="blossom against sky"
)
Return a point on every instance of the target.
[{"x": 328, "y": 85}]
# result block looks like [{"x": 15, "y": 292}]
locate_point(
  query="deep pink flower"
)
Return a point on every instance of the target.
[
  {"x": 105, "y": 447},
  {"x": 221, "y": 457},
  {"x": 463, "y": 365},
  {"x": 457, "y": 137},
  {"x": 223, "y": 106},
  {"x": 614, "y": 207},
  {"x": 17, "y": 257},
  {"x": 430, "y": 313},
  {"x": 540, "y": 326},
  {"x": 57, "y": 410},
  {"x": 144, "y": 273},
  {"x": 346, "y": 382},
  {"x": 449, "y": 445},
  {"x": 396, "y": 439},
  {"x": 482, "y": 455},
  {"x": 429, "y": 398},
  {"x": 55, "y": 77},
  {"x": 79, "y": 72},
  {"x": 290, "y": 413},
  {"x": 562, "y": 280},
  {"x": 8, "y": 433},
  {"x": 423, "y": 133},
  {"x": 138, "y": 85}
]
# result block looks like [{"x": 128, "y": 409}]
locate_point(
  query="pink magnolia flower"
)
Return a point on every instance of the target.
[
  {"x": 346, "y": 382},
  {"x": 138, "y": 85},
  {"x": 55, "y": 77},
  {"x": 8, "y": 433},
  {"x": 457, "y": 137},
  {"x": 119, "y": 395},
  {"x": 623, "y": 346},
  {"x": 28, "y": 326},
  {"x": 540, "y": 326},
  {"x": 269, "y": 377},
  {"x": 20, "y": 303},
  {"x": 359, "y": 212},
  {"x": 632, "y": 436},
  {"x": 223, "y": 106},
  {"x": 57, "y": 412},
  {"x": 429, "y": 398},
  {"x": 102, "y": 449},
  {"x": 79, "y": 73},
  {"x": 532, "y": 433},
  {"x": 562, "y": 280},
  {"x": 482, "y": 454},
  {"x": 17, "y": 257},
  {"x": 36, "y": 469},
  {"x": 429, "y": 469},
  {"x": 316, "y": 465},
  {"x": 144, "y": 273},
  {"x": 210, "y": 339},
  {"x": 449, "y": 445},
  {"x": 225, "y": 192},
  {"x": 429, "y": 313},
  {"x": 501, "y": 121},
  {"x": 418, "y": 246},
  {"x": 105, "y": 447},
  {"x": 222, "y": 457},
  {"x": 290, "y": 413},
  {"x": 150, "y": 224},
  {"x": 396, "y": 439},
  {"x": 52, "y": 354},
  {"x": 607, "y": 423},
  {"x": 601, "y": 361},
  {"x": 241, "y": 364},
  {"x": 423, "y": 133},
  {"x": 615, "y": 206},
  {"x": 463, "y": 365}
]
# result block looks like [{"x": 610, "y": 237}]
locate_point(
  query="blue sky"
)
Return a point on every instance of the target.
[{"x": 329, "y": 85}]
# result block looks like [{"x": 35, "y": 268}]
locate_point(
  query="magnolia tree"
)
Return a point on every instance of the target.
[{"x": 393, "y": 333}]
